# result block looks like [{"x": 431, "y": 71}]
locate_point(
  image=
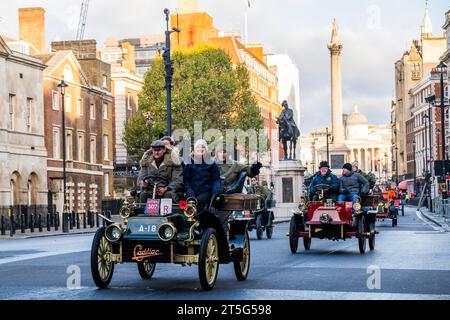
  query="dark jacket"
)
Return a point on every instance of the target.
[
  {"x": 354, "y": 183},
  {"x": 329, "y": 179},
  {"x": 369, "y": 177},
  {"x": 169, "y": 174},
  {"x": 231, "y": 170},
  {"x": 199, "y": 178}
]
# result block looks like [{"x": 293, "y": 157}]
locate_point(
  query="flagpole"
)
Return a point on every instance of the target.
[{"x": 246, "y": 25}]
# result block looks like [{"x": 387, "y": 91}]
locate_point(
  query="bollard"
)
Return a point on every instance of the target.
[
  {"x": 12, "y": 225},
  {"x": 97, "y": 219},
  {"x": 90, "y": 219},
  {"x": 84, "y": 220},
  {"x": 56, "y": 219},
  {"x": 48, "y": 221},
  {"x": 78, "y": 220},
  {"x": 65, "y": 222},
  {"x": 3, "y": 225},
  {"x": 22, "y": 223},
  {"x": 72, "y": 218},
  {"x": 32, "y": 222},
  {"x": 40, "y": 222}
]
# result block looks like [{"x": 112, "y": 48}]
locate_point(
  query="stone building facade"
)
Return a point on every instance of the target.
[{"x": 23, "y": 173}]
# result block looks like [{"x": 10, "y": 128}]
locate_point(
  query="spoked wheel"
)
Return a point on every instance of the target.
[
  {"x": 146, "y": 269},
  {"x": 293, "y": 237},
  {"x": 208, "y": 264},
  {"x": 307, "y": 243},
  {"x": 269, "y": 232},
  {"x": 102, "y": 270},
  {"x": 361, "y": 236},
  {"x": 259, "y": 228},
  {"x": 242, "y": 268},
  {"x": 372, "y": 241}
]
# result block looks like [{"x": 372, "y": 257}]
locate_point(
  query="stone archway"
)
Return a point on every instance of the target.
[
  {"x": 16, "y": 185},
  {"x": 32, "y": 189}
]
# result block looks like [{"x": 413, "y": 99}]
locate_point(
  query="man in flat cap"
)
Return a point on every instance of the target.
[
  {"x": 161, "y": 174},
  {"x": 324, "y": 176}
]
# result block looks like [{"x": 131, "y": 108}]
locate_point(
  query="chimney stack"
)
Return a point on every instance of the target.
[{"x": 32, "y": 27}]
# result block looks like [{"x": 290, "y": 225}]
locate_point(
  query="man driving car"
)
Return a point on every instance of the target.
[{"x": 324, "y": 177}]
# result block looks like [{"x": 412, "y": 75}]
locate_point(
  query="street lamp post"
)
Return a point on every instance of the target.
[
  {"x": 396, "y": 165},
  {"x": 442, "y": 68},
  {"x": 425, "y": 118},
  {"x": 414, "y": 156},
  {"x": 63, "y": 85},
  {"x": 168, "y": 63}
]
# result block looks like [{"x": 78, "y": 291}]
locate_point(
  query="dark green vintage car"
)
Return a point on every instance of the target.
[{"x": 161, "y": 232}]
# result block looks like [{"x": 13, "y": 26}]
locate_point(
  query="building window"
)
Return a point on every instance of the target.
[
  {"x": 92, "y": 111},
  {"x": 69, "y": 145},
  {"x": 129, "y": 101},
  {"x": 105, "y": 148},
  {"x": 79, "y": 106},
  {"x": 12, "y": 108},
  {"x": 55, "y": 100},
  {"x": 68, "y": 103},
  {"x": 106, "y": 184},
  {"x": 30, "y": 113},
  {"x": 105, "y": 111},
  {"x": 56, "y": 150},
  {"x": 105, "y": 81},
  {"x": 92, "y": 149},
  {"x": 81, "y": 147}
]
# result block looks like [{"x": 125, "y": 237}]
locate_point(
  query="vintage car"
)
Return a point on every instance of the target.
[
  {"x": 263, "y": 217},
  {"x": 160, "y": 231},
  {"x": 326, "y": 219},
  {"x": 387, "y": 209}
]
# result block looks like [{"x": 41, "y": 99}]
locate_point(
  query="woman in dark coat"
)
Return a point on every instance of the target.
[{"x": 201, "y": 176}]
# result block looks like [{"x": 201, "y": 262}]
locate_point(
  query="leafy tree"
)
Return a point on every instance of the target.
[{"x": 206, "y": 88}]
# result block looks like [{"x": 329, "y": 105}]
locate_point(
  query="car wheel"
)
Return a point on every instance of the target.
[
  {"x": 259, "y": 229},
  {"x": 242, "y": 268},
  {"x": 361, "y": 236},
  {"x": 101, "y": 269},
  {"x": 293, "y": 236},
  {"x": 269, "y": 232},
  {"x": 307, "y": 243},
  {"x": 208, "y": 264},
  {"x": 372, "y": 242},
  {"x": 146, "y": 269}
]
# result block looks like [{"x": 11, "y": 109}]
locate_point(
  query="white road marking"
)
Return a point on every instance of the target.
[
  {"x": 38, "y": 255},
  {"x": 432, "y": 225}
]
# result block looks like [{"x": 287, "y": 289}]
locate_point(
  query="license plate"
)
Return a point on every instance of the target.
[{"x": 145, "y": 227}]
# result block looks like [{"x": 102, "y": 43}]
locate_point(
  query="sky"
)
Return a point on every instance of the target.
[{"x": 375, "y": 34}]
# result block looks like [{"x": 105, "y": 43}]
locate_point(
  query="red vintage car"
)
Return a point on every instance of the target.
[
  {"x": 326, "y": 219},
  {"x": 388, "y": 209}
]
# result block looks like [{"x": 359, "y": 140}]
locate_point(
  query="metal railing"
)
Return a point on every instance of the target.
[{"x": 442, "y": 207}]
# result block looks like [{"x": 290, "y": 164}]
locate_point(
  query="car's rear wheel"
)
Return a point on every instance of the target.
[
  {"x": 101, "y": 269},
  {"x": 293, "y": 236},
  {"x": 361, "y": 236},
  {"x": 242, "y": 268},
  {"x": 259, "y": 228},
  {"x": 208, "y": 264},
  {"x": 307, "y": 243},
  {"x": 372, "y": 241},
  {"x": 146, "y": 269},
  {"x": 269, "y": 232}
]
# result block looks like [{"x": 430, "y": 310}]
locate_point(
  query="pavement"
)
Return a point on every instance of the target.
[
  {"x": 437, "y": 219},
  {"x": 411, "y": 261}
]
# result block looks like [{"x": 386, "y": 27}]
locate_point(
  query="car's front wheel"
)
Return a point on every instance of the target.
[
  {"x": 208, "y": 264},
  {"x": 101, "y": 268},
  {"x": 293, "y": 236},
  {"x": 361, "y": 236},
  {"x": 146, "y": 269},
  {"x": 242, "y": 268}
]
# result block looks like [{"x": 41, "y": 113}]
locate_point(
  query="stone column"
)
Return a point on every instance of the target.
[{"x": 335, "y": 47}]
